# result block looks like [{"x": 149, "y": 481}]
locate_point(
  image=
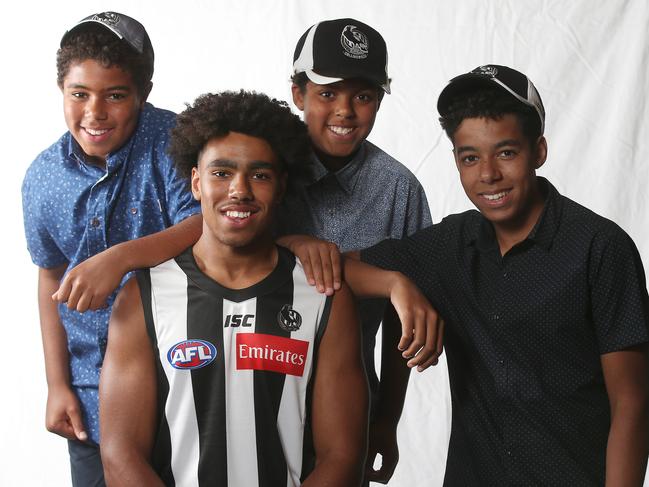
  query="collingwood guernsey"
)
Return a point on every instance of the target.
[{"x": 234, "y": 370}]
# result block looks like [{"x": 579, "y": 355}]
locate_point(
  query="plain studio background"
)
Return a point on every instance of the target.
[{"x": 589, "y": 59}]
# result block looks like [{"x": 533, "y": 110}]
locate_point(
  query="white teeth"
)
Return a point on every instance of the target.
[
  {"x": 340, "y": 130},
  {"x": 96, "y": 132},
  {"x": 497, "y": 196},
  {"x": 237, "y": 214}
]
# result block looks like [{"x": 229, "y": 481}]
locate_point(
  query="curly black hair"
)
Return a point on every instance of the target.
[
  {"x": 96, "y": 43},
  {"x": 301, "y": 79},
  {"x": 494, "y": 104},
  {"x": 246, "y": 112}
]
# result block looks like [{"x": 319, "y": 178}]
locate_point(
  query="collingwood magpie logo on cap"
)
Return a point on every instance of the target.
[
  {"x": 108, "y": 18},
  {"x": 354, "y": 42},
  {"x": 490, "y": 71},
  {"x": 288, "y": 319}
]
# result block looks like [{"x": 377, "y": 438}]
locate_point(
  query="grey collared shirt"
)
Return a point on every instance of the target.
[{"x": 372, "y": 198}]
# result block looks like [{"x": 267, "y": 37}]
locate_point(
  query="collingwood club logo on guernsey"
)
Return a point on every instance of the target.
[
  {"x": 289, "y": 319},
  {"x": 259, "y": 351},
  {"x": 354, "y": 42},
  {"x": 191, "y": 354}
]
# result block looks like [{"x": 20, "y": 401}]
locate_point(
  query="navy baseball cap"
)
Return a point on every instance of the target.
[
  {"x": 334, "y": 50},
  {"x": 123, "y": 27},
  {"x": 506, "y": 79}
]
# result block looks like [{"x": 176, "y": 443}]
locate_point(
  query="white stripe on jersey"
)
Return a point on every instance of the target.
[
  {"x": 292, "y": 405},
  {"x": 241, "y": 435},
  {"x": 171, "y": 307}
]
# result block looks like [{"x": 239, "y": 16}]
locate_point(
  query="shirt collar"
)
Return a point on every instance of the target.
[
  {"x": 543, "y": 231},
  {"x": 346, "y": 176},
  {"x": 115, "y": 159}
]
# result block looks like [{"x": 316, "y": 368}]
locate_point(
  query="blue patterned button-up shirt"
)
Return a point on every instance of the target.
[{"x": 73, "y": 210}]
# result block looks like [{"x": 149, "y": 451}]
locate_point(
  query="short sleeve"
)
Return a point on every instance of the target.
[
  {"x": 180, "y": 202},
  {"x": 620, "y": 305},
  {"x": 42, "y": 248},
  {"x": 418, "y": 211}
]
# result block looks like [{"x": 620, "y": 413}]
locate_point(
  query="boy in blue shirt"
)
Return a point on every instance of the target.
[{"x": 105, "y": 182}]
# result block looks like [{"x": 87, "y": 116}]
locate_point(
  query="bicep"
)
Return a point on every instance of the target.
[
  {"x": 127, "y": 389},
  {"x": 340, "y": 396}
]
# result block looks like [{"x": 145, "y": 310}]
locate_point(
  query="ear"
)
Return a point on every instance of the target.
[
  {"x": 298, "y": 96},
  {"x": 196, "y": 184},
  {"x": 540, "y": 151},
  {"x": 146, "y": 93}
]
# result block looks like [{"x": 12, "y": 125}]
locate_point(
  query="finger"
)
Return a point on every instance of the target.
[
  {"x": 62, "y": 428},
  {"x": 316, "y": 268},
  {"x": 308, "y": 271},
  {"x": 419, "y": 335},
  {"x": 405, "y": 318},
  {"x": 73, "y": 298},
  {"x": 429, "y": 351},
  {"x": 62, "y": 293},
  {"x": 336, "y": 267},
  {"x": 97, "y": 302},
  {"x": 84, "y": 301},
  {"x": 440, "y": 337},
  {"x": 327, "y": 272},
  {"x": 77, "y": 424}
]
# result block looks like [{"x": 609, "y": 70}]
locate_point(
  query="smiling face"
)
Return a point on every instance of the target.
[
  {"x": 101, "y": 107},
  {"x": 497, "y": 166},
  {"x": 239, "y": 183},
  {"x": 339, "y": 117}
]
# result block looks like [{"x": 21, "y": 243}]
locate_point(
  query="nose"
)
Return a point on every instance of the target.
[
  {"x": 489, "y": 170},
  {"x": 344, "y": 107},
  {"x": 240, "y": 188},
  {"x": 96, "y": 108}
]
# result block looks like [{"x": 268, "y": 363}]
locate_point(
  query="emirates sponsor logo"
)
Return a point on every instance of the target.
[{"x": 258, "y": 351}]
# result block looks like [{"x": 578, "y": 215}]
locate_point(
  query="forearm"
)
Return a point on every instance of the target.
[
  {"x": 55, "y": 345},
  {"x": 626, "y": 453},
  {"x": 335, "y": 470},
  {"x": 367, "y": 281},
  {"x": 158, "y": 247},
  {"x": 127, "y": 468}
]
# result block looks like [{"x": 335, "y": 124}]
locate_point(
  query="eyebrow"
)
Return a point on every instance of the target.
[
  {"x": 502, "y": 143},
  {"x": 229, "y": 163},
  {"x": 110, "y": 88}
]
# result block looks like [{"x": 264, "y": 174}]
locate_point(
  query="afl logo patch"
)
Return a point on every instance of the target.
[
  {"x": 191, "y": 354},
  {"x": 288, "y": 319},
  {"x": 490, "y": 71},
  {"x": 354, "y": 42}
]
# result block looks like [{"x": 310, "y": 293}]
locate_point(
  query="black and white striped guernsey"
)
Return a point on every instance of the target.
[{"x": 234, "y": 371}]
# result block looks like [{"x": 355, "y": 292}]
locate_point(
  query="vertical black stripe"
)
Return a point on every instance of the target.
[
  {"x": 268, "y": 387},
  {"x": 204, "y": 314},
  {"x": 161, "y": 456},
  {"x": 308, "y": 449}
]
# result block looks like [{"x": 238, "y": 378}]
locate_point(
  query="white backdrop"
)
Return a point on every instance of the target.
[{"x": 588, "y": 58}]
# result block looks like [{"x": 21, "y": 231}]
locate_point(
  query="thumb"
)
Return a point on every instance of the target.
[
  {"x": 63, "y": 292},
  {"x": 77, "y": 425}
]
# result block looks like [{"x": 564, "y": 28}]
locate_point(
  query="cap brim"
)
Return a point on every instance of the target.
[{"x": 327, "y": 80}]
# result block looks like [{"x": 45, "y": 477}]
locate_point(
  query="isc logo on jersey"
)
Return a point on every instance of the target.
[{"x": 191, "y": 354}]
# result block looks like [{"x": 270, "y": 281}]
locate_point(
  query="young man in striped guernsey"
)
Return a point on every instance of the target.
[{"x": 224, "y": 367}]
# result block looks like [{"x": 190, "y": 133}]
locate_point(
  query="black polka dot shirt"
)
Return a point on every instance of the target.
[{"x": 524, "y": 335}]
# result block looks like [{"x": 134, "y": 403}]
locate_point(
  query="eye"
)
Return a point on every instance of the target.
[
  {"x": 78, "y": 94},
  {"x": 469, "y": 160},
  {"x": 326, "y": 94},
  {"x": 264, "y": 176},
  {"x": 116, "y": 96},
  {"x": 507, "y": 154},
  {"x": 365, "y": 97},
  {"x": 220, "y": 173}
]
